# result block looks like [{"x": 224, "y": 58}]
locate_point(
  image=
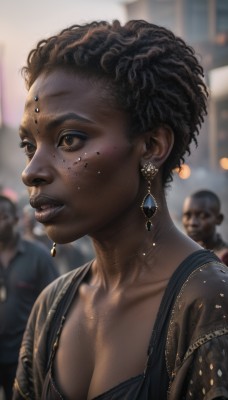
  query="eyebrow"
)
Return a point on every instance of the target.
[
  {"x": 59, "y": 120},
  {"x": 64, "y": 117}
]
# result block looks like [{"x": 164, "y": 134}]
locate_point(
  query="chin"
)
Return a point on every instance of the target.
[{"x": 61, "y": 237}]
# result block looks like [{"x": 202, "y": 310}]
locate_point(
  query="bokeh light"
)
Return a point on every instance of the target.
[
  {"x": 224, "y": 163},
  {"x": 184, "y": 172}
]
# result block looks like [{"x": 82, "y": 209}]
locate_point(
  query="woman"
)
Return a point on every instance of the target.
[{"x": 111, "y": 111}]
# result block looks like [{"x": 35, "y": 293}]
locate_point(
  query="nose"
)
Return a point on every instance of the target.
[
  {"x": 193, "y": 220},
  {"x": 38, "y": 171}
]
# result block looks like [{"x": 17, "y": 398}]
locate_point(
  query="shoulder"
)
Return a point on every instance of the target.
[
  {"x": 200, "y": 310},
  {"x": 53, "y": 293},
  {"x": 33, "y": 350},
  {"x": 203, "y": 297},
  {"x": 207, "y": 282}
]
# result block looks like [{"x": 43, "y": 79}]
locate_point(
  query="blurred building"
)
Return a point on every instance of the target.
[{"x": 204, "y": 25}]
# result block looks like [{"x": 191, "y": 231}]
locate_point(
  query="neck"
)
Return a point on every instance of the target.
[
  {"x": 132, "y": 251},
  {"x": 211, "y": 242}
]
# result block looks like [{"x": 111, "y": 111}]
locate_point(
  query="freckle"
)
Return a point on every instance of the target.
[
  {"x": 85, "y": 165},
  {"x": 35, "y": 121},
  {"x": 69, "y": 168},
  {"x": 64, "y": 160},
  {"x": 98, "y": 153}
]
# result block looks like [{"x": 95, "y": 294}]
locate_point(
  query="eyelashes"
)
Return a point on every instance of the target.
[{"x": 29, "y": 148}]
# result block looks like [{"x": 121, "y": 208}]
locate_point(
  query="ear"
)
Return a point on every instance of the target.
[
  {"x": 219, "y": 219},
  {"x": 157, "y": 145}
]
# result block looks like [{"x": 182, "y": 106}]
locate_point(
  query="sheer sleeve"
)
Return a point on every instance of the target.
[
  {"x": 197, "y": 340},
  {"x": 208, "y": 377}
]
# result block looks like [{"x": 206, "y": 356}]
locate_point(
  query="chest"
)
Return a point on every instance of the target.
[{"x": 105, "y": 342}]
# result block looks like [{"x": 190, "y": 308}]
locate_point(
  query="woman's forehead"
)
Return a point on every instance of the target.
[{"x": 60, "y": 84}]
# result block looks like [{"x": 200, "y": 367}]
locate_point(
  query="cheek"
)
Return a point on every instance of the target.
[{"x": 98, "y": 165}]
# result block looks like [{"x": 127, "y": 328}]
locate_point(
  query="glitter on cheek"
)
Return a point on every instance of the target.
[{"x": 77, "y": 161}]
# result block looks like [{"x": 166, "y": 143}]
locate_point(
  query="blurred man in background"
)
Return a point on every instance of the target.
[
  {"x": 25, "y": 269},
  {"x": 201, "y": 215}
]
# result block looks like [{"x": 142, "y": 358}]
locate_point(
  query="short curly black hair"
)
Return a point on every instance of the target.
[{"x": 155, "y": 76}]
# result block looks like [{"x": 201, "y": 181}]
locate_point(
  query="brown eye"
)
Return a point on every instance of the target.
[
  {"x": 71, "y": 141},
  {"x": 68, "y": 140},
  {"x": 28, "y": 147}
]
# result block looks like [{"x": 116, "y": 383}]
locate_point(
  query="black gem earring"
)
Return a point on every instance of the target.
[
  {"x": 53, "y": 250},
  {"x": 149, "y": 205}
]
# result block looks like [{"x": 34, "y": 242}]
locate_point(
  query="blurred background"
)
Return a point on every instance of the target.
[{"x": 202, "y": 23}]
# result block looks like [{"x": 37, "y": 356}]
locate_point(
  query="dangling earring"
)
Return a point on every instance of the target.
[
  {"x": 149, "y": 205},
  {"x": 53, "y": 250}
]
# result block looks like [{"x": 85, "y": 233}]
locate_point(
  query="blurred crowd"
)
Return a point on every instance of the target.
[{"x": 26, "y": 268}]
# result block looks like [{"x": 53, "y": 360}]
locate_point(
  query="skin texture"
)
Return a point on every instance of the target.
[
  {"x": 92, "y": 181},
  {"x": 93, "y": 160}
]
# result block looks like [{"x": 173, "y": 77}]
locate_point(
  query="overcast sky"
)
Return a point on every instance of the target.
[{"x": 23, "y": 23}]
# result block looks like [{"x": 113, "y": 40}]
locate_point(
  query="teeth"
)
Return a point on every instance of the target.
[{"x": 45, "y": 207}]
